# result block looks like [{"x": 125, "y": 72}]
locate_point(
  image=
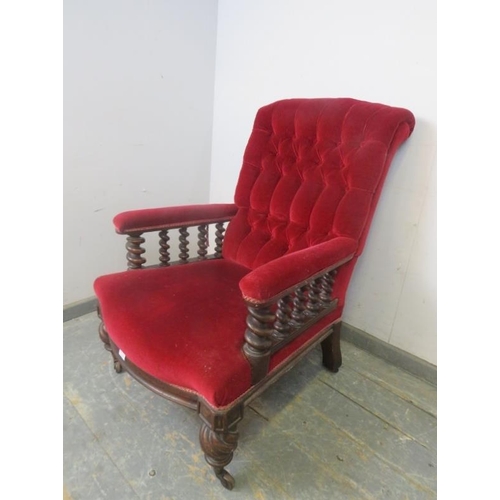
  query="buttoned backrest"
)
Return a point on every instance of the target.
[{"x": 312, "y": 170}]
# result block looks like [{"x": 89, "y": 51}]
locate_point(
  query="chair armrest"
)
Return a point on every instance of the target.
[
  {"x": 277, "y": 278},
  {"x": 155, "y": 219}
]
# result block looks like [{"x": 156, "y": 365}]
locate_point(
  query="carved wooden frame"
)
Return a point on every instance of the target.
[{"x": 270, "y": 325}]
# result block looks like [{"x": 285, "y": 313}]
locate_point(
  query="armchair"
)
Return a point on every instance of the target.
[{"x": 211, "y": 332}]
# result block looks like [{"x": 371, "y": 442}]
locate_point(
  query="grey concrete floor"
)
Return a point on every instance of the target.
[{"x": 367, "y": 432}]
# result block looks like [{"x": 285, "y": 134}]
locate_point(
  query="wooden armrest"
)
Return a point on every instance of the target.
[
  {"x": 285, "y": 297},
  {"x": 136, "y": 222},
  {"x": 268, "y": 283},
  {"x": 156, "y": 219}
]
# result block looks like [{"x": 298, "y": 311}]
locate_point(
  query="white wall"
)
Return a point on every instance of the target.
[
  {"x": 381, "y": 51},
  {"x": 138, "y": 102}
]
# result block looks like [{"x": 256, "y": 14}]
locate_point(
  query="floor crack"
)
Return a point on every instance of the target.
[{"x": 258, "y": 413}]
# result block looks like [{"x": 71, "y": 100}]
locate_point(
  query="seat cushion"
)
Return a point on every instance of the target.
[{"x": 182, "y": 324}]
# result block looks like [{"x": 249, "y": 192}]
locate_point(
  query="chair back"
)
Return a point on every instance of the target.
[{"x": 313, "y": 170}]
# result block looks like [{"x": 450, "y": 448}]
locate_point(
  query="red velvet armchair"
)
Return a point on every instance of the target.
[{"x": 212, "y": 332}]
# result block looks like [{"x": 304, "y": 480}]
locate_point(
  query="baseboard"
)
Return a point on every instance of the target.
[
  {"x": 76, "y": 309},
  {"x": 402, "y": 359}
]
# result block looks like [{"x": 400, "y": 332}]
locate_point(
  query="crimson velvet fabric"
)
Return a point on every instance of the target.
[
  {"x": 312, "y": 173},
  {"x": 182, "y": 324},
  {"x": 272, "y": 278},
  {"x": 165, "y": 218}
]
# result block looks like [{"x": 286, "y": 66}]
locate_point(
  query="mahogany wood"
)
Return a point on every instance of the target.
[
  {"x": 135, "y": 240},
  {"x": 103, "y": 335},
  {"x": 202, "y": 241},
  {"x": 219, "y": 439},
  {"x": 183, "y": 245},
  {"x": 300, "y": 328},
  {"x": 313, "y": 304},
  {"x": 164, "y": 247},
  {"x": 134, "y": 251},
  {"x": 282, "y": 326},
  {"x": 332, "y": 356},
  {"x": 219, "y": 238},
  {"x": 326, "y": 285},
  {"x": 299, "y": 304},
  {"x": 257, "y": 347}
]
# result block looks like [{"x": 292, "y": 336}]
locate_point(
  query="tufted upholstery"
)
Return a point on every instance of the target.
[
  {"x": 212, "y": 332},
  {"x": 312, "y": 171}
]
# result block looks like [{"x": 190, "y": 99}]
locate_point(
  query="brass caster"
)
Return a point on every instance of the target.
[
  {"x": 118, "y": 367},
  {"x": 225, "y": 478}
]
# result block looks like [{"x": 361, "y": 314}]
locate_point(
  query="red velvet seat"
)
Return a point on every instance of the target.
[
  {"x": 149, "y": 326},
  {"x": 213, "y": 331}
]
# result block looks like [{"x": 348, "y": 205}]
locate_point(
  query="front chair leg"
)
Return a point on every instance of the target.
[
  {"x": 103, "y": 334},
  {"x": 332, "y": 357},
  {"x": 219, "y": 439},
  {"x": 219, "y": 447}
]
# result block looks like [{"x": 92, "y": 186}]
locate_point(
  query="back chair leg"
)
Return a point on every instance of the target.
[{"x": 332, "y": 357}]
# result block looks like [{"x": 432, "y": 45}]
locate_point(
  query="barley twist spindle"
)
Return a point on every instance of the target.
[{"x": 164, "y": 248}]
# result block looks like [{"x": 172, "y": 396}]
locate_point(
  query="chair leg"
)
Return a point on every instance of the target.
[
  {"x": 103, "y": 334},
  {"x": 219, "y": 447},
  {"x": 332, "y": 357}
]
